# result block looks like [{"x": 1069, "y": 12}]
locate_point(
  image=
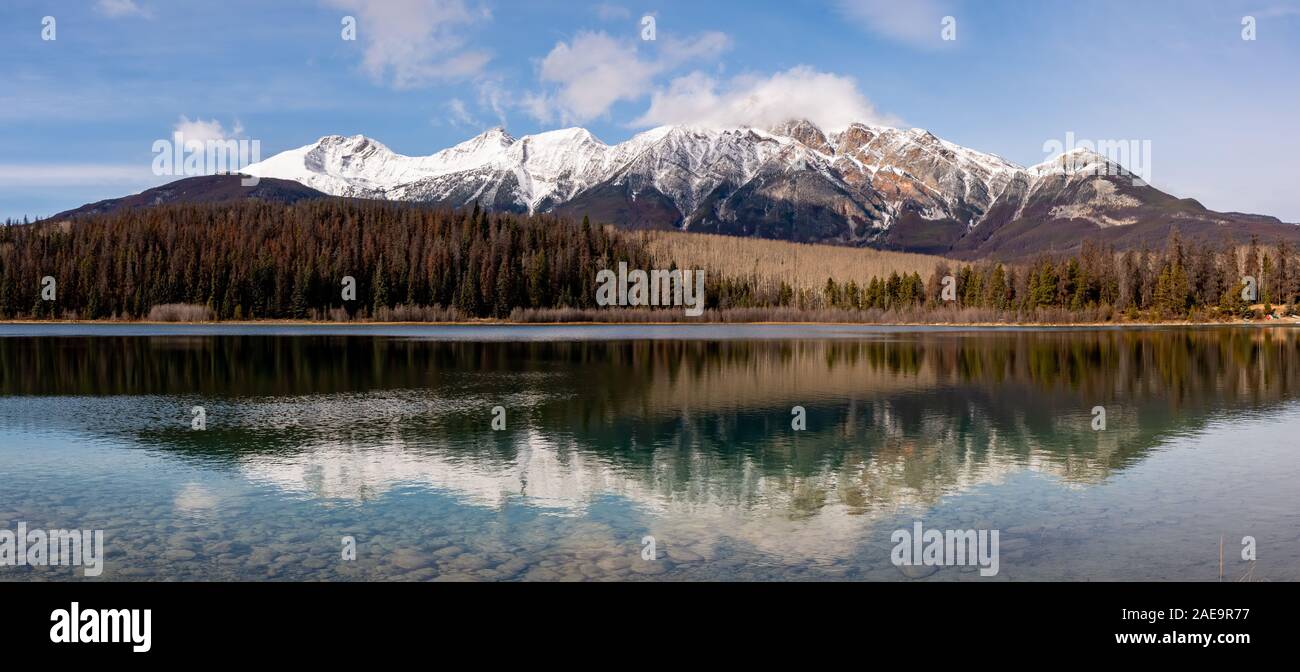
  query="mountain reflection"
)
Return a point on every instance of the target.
[{"x": 694, "y": 431}]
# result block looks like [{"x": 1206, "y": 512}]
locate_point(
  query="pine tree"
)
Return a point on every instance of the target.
[
  {"x": 934, "y": 288},
  {"x": 892, "y": 290},
  {"x": 538, "y": 275},
  {"x": 1231, "y": 302},
  {"x": 1266, "y": 291},
  {"x": 996, "y": 292},
  {"x": 505, "y": 290},
  {"x": 379, "y": 286},
  {"x": 1284, "y": 274},
  {"x": 1252, "y": 258},
  {"x": 467, "y": 295},
  {"x": 831, "y": 293},
  {"x": 1045, "y": 293},
  {"x": 299, "y": 301}
]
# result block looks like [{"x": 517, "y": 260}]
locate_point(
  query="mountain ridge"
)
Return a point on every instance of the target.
[
  {"x": 866, "y": 185},
  {"x": 358, "y": 165},
  {"x": 223, "y": 188}
]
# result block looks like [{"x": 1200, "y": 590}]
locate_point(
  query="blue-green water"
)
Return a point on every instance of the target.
[{"x": 683, "y": 434}]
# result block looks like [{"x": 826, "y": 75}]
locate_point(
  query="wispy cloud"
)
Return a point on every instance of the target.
[
  {"x": 459, "y": 115},
  {"x": 493, "y": 95},
  {"x": 915, "y": 22},
  {"x": 1278, "y": 11},
  {"x": 74, "y": 174},
  {"x": 610, "y": 12},
  {"x": 119, "y": 8},
  {"x": 412, "y": 43}
]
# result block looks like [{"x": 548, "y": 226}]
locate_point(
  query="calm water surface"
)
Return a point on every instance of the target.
[{"x": 680, "y": 433}]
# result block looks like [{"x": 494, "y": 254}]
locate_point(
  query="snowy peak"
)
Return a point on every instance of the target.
[
  {"x": 885, "y": 166},
  {"x": 565, "y": 137},
  {"x": 852, "y": 186},
  {"x": 807, "y": 133},
  {"x": 347, "y": 156},
  {"x": 496, "y": 134},
  {"x": 570, "y": 150},
  {"x": 488, "y": 148},
  {"x": 495, "y": 140},
  {"x": 1074, "y": 162}
]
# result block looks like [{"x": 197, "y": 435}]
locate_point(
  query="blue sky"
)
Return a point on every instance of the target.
[{"x": 79, "y": 114}]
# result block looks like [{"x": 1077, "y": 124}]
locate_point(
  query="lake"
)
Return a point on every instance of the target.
[{"x": 614, "y": 440}]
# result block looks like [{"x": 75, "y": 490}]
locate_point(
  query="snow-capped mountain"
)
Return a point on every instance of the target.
[{"x": 865, "y": 185}]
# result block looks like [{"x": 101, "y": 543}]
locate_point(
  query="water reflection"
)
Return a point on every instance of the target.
[{"x": 691, "y": 439}]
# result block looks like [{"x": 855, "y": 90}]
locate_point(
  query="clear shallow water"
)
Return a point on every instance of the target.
[{"x": 384, "y": 435}]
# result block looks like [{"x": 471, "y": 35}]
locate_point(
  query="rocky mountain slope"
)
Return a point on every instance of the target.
[
  {"x": 201, "y": 189},
  {"x": 868, "y": 185}
]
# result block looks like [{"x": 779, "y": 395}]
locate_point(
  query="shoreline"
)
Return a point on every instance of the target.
[{"x": 1291, "y": 321}]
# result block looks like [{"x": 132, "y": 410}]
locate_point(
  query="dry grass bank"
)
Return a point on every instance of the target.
[
  {"x": 802, "y": 266},
  {"x": 910, "y": 315}
]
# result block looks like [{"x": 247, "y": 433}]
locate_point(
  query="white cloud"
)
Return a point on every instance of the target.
[
  {"x": 411, "y": 43},
  {"x": 116, "y": 8},
  {"x": 538, "y": 106},
  {"x": 1279, "y": 11},
  {"x": 595, "y": 71},
  {"x": 202, "y": 131},
  {"x": 611, "y": 12},
  {"x": 828, "y": 100},
  {"x": 493, "y": 95},
  {"x": 459, "y": 115},
  {"x": 915, "y": 22}
]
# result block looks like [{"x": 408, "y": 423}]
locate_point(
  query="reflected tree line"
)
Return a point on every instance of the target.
[
  {"x": 644, "y": 379},
  {"x": 895, "y": 419},
  {"x": 1229, "y": 363}
]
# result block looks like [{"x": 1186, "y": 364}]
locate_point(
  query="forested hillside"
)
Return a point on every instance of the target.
[{"x": 269, "y": 260}]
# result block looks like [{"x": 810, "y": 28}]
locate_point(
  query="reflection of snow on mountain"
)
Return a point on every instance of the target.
[
  {"x": 826, "y": 513},
  {"x": 544, "y": 474}
]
